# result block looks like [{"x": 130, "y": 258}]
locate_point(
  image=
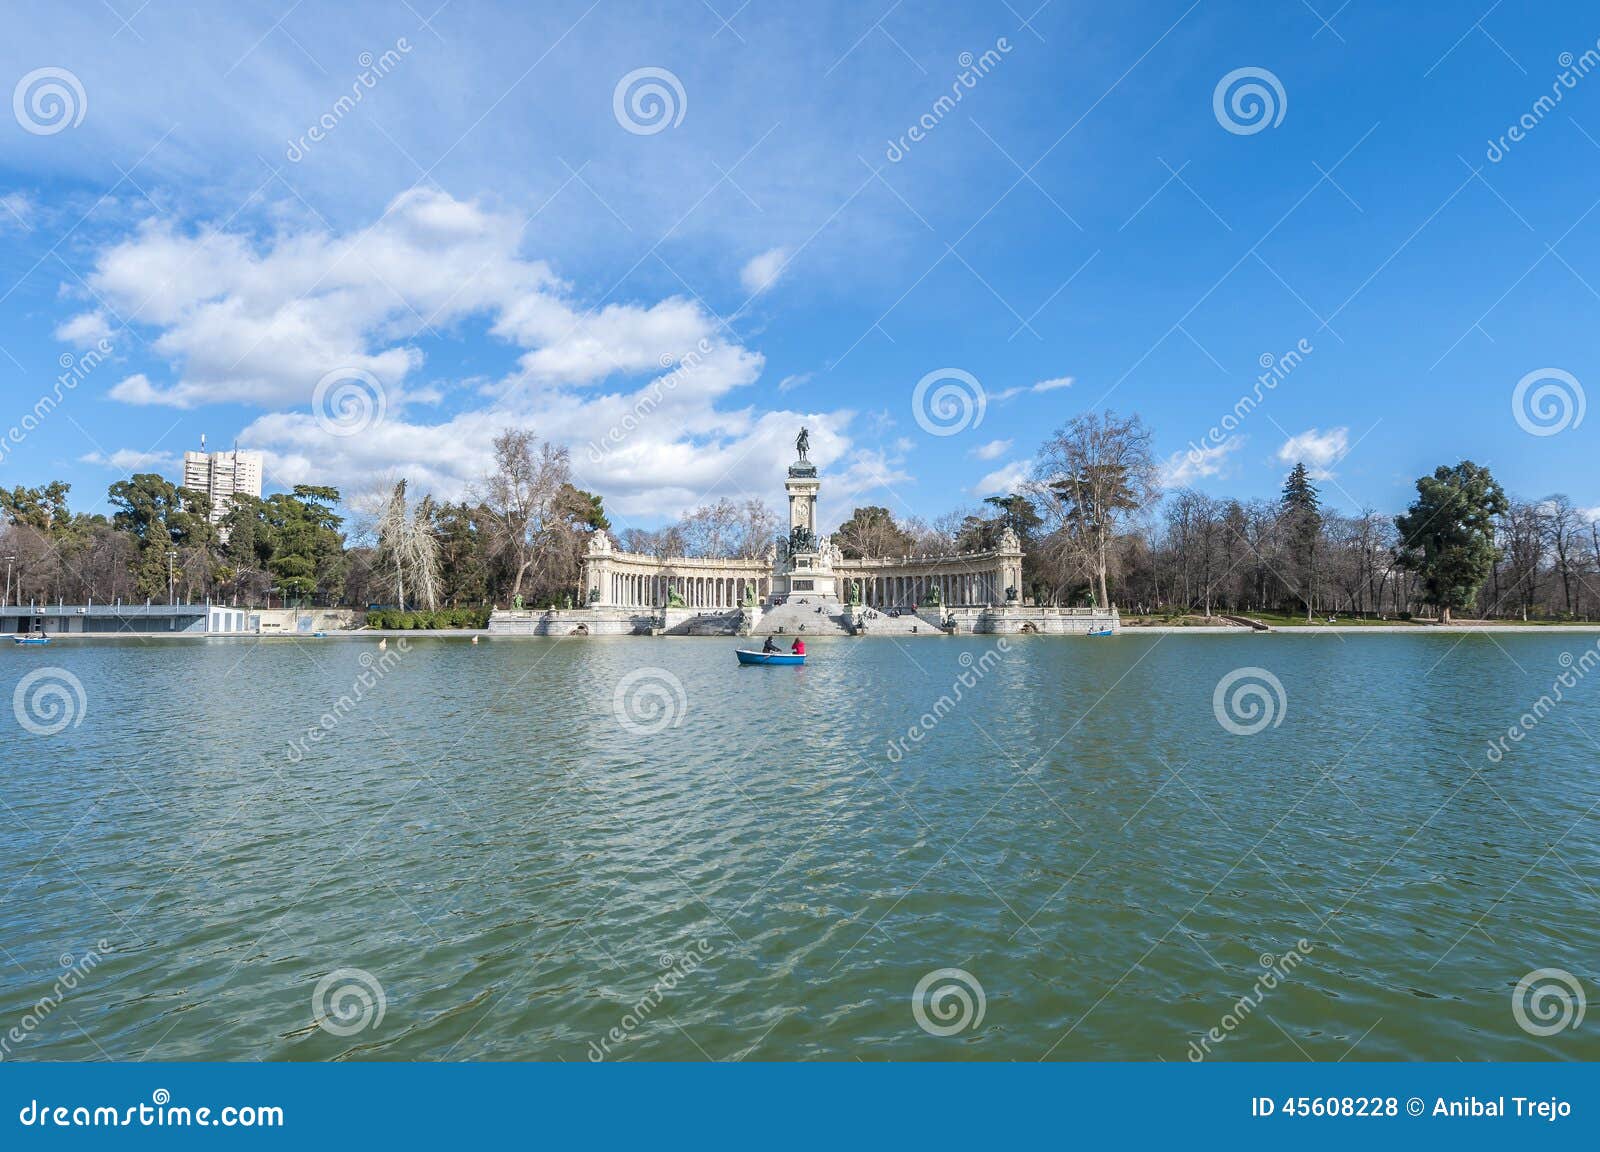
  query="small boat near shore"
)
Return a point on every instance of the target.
[
  {"x": 746, "y": 656},
  {"x": 38, "y": 639},
  {"x": 1101, "y": 632}
]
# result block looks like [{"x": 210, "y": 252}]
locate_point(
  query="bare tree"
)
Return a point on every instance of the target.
[
  {"x": 520, "y": 495},
  {"x": 933, "y": 537},
  {"x": 757, "y": 528},
  {"x": 1524, "y": 530},
  {"x": 658, "y": 542},
  {"x": 1564, "y": 528},
  {"x": 408, "y": 552},
  {"x": 422, "y": 547},
  {"x": 1090, "y": 477}
]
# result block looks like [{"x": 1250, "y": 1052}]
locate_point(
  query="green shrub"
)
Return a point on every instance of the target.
[{"x": 443, "y": 618}]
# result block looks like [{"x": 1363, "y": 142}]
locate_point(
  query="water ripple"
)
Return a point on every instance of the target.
[{"x": 527, "y": 877}]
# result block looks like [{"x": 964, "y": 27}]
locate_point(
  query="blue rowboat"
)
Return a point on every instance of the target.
[
  {"x": 1100, "y": 632},
  {"x": 748, "y": 657},
  {"x": 31, "y": 639}
]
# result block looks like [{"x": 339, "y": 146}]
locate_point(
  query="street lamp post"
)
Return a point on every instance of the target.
[
  {"x": 5, "y": 602},
  {"x": 171, "y": 556}
]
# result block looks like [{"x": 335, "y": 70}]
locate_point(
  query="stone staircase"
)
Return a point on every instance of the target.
[
  {"x": 794, "y": 618},
  {"x": 835, "y": 620},
  {"x": 689, "y": 623},
  {"x": 905, "y": 624}
]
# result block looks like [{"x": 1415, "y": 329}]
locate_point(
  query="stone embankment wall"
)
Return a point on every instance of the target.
[
  {"x": 570, "y": 622},
  {"x": 1043, "y": 621},
  {"x": 687, "y": 622},
  {"x": 276, "y": 620}
]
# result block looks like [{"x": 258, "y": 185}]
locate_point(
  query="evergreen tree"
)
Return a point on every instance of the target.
[
  {"x": 308, "y": 548},
  {"x": 42, "y": 509},
  {"x": 582, "y": 509},
  {"x": 1302, "y": 524},
  {"x": 1447, "y": 535},
  {"x": 463, "y": 558},
  {"x": 163, "y": 518}
]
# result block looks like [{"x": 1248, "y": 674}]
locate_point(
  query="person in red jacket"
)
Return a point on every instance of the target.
[{"x": 799, "y": 648}]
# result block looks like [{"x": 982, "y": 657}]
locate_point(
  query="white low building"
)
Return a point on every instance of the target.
[{"x": 126, "y": 619}]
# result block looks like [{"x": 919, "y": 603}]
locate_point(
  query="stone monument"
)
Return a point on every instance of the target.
[{"x": 807, "y": 559}]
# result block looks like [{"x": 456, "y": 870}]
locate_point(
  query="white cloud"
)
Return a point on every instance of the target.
[
  {"x": 1319, "y": 451},
  {"x": 763, "y": 271},
  {"x": 881, "y": 422},
  {"x": 636, "y": 389},
  {"x": 261, "y": 325},
  {"x": 15, "y": 211},
  {"x": 84, "y": 330},
  {"x": 653, "y": 471},
  {"x": 1196, "y": 463},
  {"x": 1042, "y": 386},
  {"x": 137, "y": 389},
  {"x": 1004, "y": 480},
  {"x": 793, "y": 381},
  {"x": 871, "y": 474},
  {"x": 993, "y": 450},
  {"x": 127, "y": 461}
]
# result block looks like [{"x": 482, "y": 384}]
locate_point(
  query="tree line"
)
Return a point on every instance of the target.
[
  {"x": 1093, "y": 519},
  {"x": 1098, "y": 526},
  {"x": 520, "y": 531}
]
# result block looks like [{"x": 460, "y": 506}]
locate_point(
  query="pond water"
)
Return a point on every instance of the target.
[{"x": 938, "y": 848}]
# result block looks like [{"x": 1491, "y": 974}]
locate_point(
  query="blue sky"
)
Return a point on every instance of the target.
[{"x": 482, "y": 240}]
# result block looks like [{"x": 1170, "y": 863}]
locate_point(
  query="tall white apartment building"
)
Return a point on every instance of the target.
[{"x": 222, "y": 475}]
